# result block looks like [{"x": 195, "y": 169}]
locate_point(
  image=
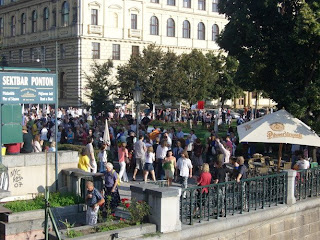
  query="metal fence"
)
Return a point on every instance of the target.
[
  {"x": 307, "y": 183},
  {"x": 219, "y": 200}
]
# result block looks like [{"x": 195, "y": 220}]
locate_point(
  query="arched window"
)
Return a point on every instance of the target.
[
  {"x": 23, "y": 23},
  {"x": 154, "y": 26},
  {"x": 171, "y": 31},
  {"x": 65, "y": 14},
  {"x": 215, "y": 5},
  {"x": 34, "y": 21},
  {"x": 54, "y": 17},
  {"x": 45, "y": 19},
  {"x": 215, "y": 32},
  {"x": 186, "y": 29},
  {"x": 13, "y": 26},
  {"x": 201, "y": 31}
]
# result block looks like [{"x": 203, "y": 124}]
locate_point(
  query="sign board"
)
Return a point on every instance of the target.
[{"x": 16, "y": 87}]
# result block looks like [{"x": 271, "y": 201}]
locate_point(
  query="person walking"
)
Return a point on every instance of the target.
[
  {"x": 160, "y": 155},
  {"x": 123, "y": 155},
  {"x": 169, "y": 165},
  {"x": 140, "y": 152},
  {"x": 185, "y": 166},
  {"x": 90, "y": 152},
  {"x": 148, "y": 165}
]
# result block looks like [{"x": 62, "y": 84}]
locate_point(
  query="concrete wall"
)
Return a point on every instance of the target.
[
  {"x": 298, "y": 221},
  {"x": 27, "y": 172}
]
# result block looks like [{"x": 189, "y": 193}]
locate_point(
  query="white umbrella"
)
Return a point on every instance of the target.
[
  {"x": 278, "y": 127},
  {"x": 106, "y": 135}
]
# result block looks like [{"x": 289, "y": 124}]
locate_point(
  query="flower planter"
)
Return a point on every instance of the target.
[
  {"x": 30, "y": 224},
  {"x": 127, "y": 232}
]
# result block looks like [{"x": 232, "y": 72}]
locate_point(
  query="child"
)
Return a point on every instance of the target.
[
  {"x": 185, "y": 166},
  {"x": 52, "y": 147}
]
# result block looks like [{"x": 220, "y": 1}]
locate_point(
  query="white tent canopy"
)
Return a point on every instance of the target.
[{"x": 278, "y": 127}]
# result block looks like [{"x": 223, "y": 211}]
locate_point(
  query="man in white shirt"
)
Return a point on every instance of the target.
[{"x": 161, "y": 153}]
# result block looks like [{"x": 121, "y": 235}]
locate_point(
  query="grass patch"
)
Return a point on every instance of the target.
[
  {"x": 55, "y": 199},
  {"x": 105, "y": 228},
  {"x": 148, "y": 235}
]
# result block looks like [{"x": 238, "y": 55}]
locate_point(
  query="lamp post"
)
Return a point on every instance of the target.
[{"x": 137, "y": 95}]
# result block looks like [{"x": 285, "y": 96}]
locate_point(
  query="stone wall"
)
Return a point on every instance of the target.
[
  {"x": 27, "y": 172},
  {"x": 298, "y": 221}
]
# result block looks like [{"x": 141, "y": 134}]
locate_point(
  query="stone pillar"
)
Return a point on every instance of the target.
[
  {"x": 165, "y": 208},
  {"x": 164, "y": 205},
  {"x": 291, "y": 187}
]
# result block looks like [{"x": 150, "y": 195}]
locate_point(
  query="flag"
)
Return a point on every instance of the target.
[{"x": 200, "y": 104}]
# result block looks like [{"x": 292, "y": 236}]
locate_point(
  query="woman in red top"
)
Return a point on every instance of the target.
[{"x": 203, "y": 180}]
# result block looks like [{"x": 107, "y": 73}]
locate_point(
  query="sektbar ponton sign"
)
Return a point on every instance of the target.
[{"x": 27, "y": 87}]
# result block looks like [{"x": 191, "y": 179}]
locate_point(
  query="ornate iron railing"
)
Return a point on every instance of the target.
[
  {"x": 307, "y": 183},
  {"x": 219, "y": 200}
]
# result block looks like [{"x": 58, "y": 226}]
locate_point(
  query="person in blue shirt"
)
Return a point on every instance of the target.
[{"x": 93, "y": 200}]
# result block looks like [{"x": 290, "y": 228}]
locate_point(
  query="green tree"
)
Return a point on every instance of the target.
[
  {"x": 154, "y": 70},
  {"x": 101, "y": 87},
  {"x": 223, "y": 71},
  {"x": 277, "y": 43},
  {"x": 194, "y": 71}
]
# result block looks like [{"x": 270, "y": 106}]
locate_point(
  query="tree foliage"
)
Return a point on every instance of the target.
[
  {"x": 194, "y": 72},
  {"x": 277, "y": 43},
  {"x": 223, "y": 69},
  {"x": 191, "y": 77},
  {"x": 100, "y": 86},
  {"x": 154, "y": 70}
]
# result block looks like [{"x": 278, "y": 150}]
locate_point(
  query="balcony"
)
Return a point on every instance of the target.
[
  {"x": 134, "y": 33},
  {"x": 95, "y": 29}
]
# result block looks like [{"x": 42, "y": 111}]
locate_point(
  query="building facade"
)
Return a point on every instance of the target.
[{"x": 72, "y": 34}]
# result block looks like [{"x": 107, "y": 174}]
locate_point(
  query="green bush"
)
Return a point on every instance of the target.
[{"x": 55, "y": 199}]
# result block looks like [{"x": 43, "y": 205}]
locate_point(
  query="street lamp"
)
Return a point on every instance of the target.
[{"x": 137, "y": 95}]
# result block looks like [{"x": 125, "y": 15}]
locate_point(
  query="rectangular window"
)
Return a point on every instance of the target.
[
  {"x": 94, "y": 16},
  {"x": 202, "y": 4},
  {"x": 215, "y": 5},
  {"x": 10, "y": 57},
  {"x": 43, "y": 54},
  {"x": 1, "y": 2},
  {"x": 21, "y": 53},
  {"x": 1, "y": 26},
  {"x": 116, "y": 51},
  {"x": 135, "y": 51},
  {"x": 95, "y": 50},
  {"x": 62, "y": 51},
  {"x": 171, "y": 2},
  {"x": 134, "y": 21},
  {"x": 32, "y": 55},
  {"x": 187, "y": 3},
  {"x": 154, "y": 1}
]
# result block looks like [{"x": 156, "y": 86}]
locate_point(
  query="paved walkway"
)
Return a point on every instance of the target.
[{"x": 124, "y": 187}]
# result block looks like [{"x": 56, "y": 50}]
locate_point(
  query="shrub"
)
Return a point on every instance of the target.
[
  {"x": 138, "y": 210},
  {"x": 55, "y": 199}
]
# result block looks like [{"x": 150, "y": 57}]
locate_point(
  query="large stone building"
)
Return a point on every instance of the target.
[{"x": 33, "y": 31}]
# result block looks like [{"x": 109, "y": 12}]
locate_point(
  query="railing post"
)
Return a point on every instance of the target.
[{"x": 291, "y": 175}]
